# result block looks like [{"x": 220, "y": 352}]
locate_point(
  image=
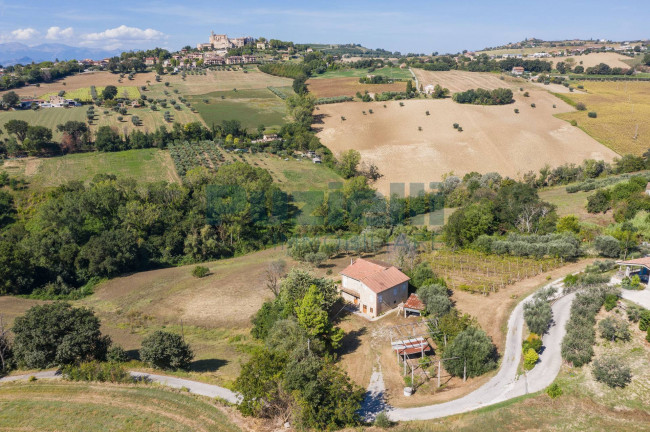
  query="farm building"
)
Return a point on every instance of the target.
[
  {"x": 517, "y": 70},
  {"x": 413, "y": 306},
  {"x": 373, "y": 286},
  {"x": 636, "y": 267}
]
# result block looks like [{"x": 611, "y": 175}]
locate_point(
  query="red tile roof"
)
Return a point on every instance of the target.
[
  {"x": 376, "y": 275},
  {"x": 645, "y": 261},
  {"x": 414, "y": 302}
]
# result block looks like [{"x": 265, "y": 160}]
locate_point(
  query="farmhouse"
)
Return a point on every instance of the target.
[
  {"x": 517, "y": 70},
  {"x": 373, "y": 286},
  {"x": 636, "y": 267}
]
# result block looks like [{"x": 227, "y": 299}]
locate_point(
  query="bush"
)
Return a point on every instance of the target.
[
  {"x": 538, "y": 315},
  {"x": 532, "y": 105},
  {"x": 581, "y": 106},
  {"x": 611, "y": 372},
  {"x": 607, "y": 246},
  {"x": 382, "y": 420},
  {"x": 614, "y": 329},
  {"x": 473, "y": 346},
  {"x": 116, "y": 354},
  {"x": 456, "y": 125},
  {"x": 634, "y": 313},
  {"x": 530, "y": 359},
  {"x": 610, "y": 301},
  {"x": 516, "y": 110},
  {"x": 526, "y": 94},
  {"x": 533, "y": 341},
  {"x": 573, "y": 123},
  {"x": 592, "y": 114},
  {"x": 200, "y": 271},
  {"x": 96, "y": 371},
  {"x": 166, "y": 350},
  {"x": 554, "y": 390},
  {"x": 644, "y": 320}
]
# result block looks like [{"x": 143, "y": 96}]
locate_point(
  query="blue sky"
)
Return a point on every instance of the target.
[{"x": 408, "y": 26}]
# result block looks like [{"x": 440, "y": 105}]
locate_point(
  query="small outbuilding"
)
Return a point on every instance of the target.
[
  {"x": 413, "y": 306},
  {"x": 635, "y": 267}
]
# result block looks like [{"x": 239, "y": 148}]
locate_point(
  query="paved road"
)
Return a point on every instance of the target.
[
  {"x": 639, "y": 297},
  {"x": 193, "y": 386},
  {"x": 506, "y": 384}
]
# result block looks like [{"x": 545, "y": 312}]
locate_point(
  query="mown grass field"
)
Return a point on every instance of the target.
[
  {"x": 293, "y": 174},
  {"x": 84, "y": 94},
  {"x": 574, "y": 204},
  {"x": 146, "y": 165},
  {"x": 49, "y": 405},
  {"x": 623, "y": 110},
  {"x": 48, "y": 117},
  {"x": 390, "y": 72},
  {"x": 252, "y": 107},
  {"x": 150, "y": 120}
]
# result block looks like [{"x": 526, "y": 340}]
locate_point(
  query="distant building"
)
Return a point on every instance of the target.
[
  {"x": 374, "y": 286},
  {"x": 518, "y": 70},
  {"x": 261, "y": 45},
  {"x": 222, "y": 41},
  {"x": 150, "y": 61},
  {"x": 429, "y": 88}
]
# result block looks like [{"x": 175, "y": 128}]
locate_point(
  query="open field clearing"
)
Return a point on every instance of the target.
[
  {"x": 48, "y": 117},
  {"x": 494, "y": 138},
  {"x": 147, "y": 165},
  {"x": 291, "y": 175},
  {"x": 215, "y": 81},
  {"x": 574, "y": 204},
  {"x": 84, "y": 93},
  {"x": 252, "y": 107},
  {"x": 328, "y": 87},
  {"x": 390, "y": 72},
  {"x": 150, "y": 120},
  {"x": 457, "y": 81},
  {"x": 592, "y": 59},
  {"x": 85, "y": 80},
  {"x": 623, "y": 110},
  {"x": 75, "y": 407}
]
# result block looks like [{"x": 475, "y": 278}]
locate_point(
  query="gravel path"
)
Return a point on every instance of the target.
[
  {"x": 193, "y": 386},
  {"x": 507, "y": 384}
]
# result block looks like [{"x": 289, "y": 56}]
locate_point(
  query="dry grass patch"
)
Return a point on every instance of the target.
[
  {"x": 457, "y": 81},
  {"x": 83, "y": 80},
  {"x": 410, "y": 147},
  {"x": 623, "y": 109},
  {"x": 328, "y": 87}
]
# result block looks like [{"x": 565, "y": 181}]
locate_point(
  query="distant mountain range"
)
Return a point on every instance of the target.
[{"x": 14, "y": 53}]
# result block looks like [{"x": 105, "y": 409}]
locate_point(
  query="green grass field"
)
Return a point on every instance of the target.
[
  {"x": 574, "y": 204},
  {"x": 147, "y": 165},
  {"x": 83, "y": 94},
  {"x": 291, "y": 175},
  {"x": 390, "y": 72},
  {"x": 150, "y": 119},
  {"x": 50, "y": 405},
  {"x": 252, "y": 107},
  {"x": 48, "y": 117}
]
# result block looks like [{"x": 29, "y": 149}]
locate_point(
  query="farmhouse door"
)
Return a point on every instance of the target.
[{"x": 365, "y": 308}]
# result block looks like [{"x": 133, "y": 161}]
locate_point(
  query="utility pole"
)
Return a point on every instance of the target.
[
  {"x": 439, "y": 363},
  {"x": 465, "y": 371}
]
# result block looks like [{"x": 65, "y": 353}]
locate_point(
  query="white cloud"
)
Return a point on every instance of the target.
[
  {"x": 124, "y": 33},
  {"x": 57, "y": 33},
  {"x": 24, "y": 34}
]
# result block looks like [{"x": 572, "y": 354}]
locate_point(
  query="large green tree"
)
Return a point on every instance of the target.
[
  {"x": 474, "y": 350},
  {"x": 165, "y": 350},
  {"x": 58, "y": 334},
  {"x": 18, "y": 128}
]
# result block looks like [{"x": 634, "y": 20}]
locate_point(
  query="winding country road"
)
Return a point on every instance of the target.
[
  {"x": 506, "y": 384},
  {"x": 193, "y": 386}
]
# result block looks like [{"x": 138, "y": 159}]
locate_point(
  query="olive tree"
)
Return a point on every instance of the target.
[
  {"x": 473, "y": 349},
  {"x": 166, "y": 350},
  {"x": 538, "y": 315}
]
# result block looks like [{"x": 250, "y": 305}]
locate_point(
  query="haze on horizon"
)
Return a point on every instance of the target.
[{"x": 421, "y": 27}]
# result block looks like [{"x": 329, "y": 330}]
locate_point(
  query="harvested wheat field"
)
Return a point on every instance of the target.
[
  {"x": 329, "y": 87},
  {"x": 457, "y": 81},
  {"x": 82, "y": 80},
  {"x": 622, "y": 112},
  {"x": 409, "y": 146},
  {"x": 592, "y": 59}
]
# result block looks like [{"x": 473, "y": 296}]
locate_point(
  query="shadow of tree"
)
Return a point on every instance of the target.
[
  {"x": 207, "y": 365},
  {"x": 352, "y": 340}
]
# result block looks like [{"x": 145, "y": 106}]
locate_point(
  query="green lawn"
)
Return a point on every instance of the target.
[
  {"x": 252, "y": 107},
  {"x": 146, "y": 165},
  {"x": 48, "y": 117},
  {"x": 83, "y": 94},
  {"x": 391, "y": 72},
  {"x": 48, "y": 405}
]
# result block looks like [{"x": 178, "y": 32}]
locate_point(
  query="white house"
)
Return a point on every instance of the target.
[{"x": 374, "y": 286}]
